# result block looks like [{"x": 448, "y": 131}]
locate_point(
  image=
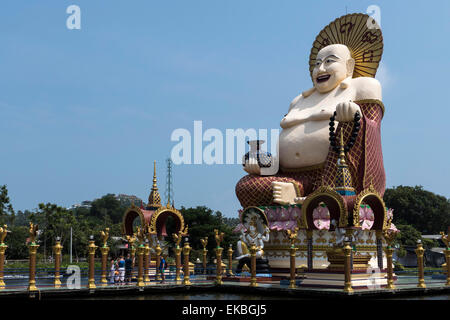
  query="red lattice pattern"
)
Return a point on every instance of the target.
[{"x": 254, "y": 190}]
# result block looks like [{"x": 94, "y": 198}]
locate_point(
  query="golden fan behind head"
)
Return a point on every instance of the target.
[{"x": 362, "y": 37}]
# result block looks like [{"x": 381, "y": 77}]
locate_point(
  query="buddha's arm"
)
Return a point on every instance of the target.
[{"x": 287, "y": 121}]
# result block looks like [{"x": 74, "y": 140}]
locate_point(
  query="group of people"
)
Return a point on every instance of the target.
[{"x": 121, "y": 270}]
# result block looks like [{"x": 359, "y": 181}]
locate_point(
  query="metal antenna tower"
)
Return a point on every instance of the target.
[{"x": 169, "y": 183}]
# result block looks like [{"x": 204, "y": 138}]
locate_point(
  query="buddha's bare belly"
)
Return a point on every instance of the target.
[{"x": 304, "y": 144}]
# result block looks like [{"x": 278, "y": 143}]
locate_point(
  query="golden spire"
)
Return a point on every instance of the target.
[
  {"x": 341, "y": 161},
  {"x": 343, "y": 183},
  {"x": 154, "y": 199}
]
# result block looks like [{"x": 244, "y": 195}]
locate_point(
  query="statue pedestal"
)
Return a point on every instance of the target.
[
  {"x": 362, "y": 275},
  {"x": 336, "y": 258},
  {"x": 363, "y": 279},
  {"x": 262, "y": 265}
]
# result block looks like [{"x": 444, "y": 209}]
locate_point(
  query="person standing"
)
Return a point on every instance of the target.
[
  {"x": 128, "y": 269},
  {"x": 121, "y": 270},
  {"x": 112, "y": 271},
  {"x": 162, "y": 266}
]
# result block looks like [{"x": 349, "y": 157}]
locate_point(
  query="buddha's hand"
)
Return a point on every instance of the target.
[
  {"x": 283, "y": 192},
  {"x": 251, "y": 166},
  {"x": 345, "y": 111}
]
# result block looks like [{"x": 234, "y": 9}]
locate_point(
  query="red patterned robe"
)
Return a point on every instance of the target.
[{"x": 365, "y": 161}]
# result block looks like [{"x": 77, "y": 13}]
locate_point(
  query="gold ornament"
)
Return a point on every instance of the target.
[
  {"x": 218, "y": 236},
  {"x": 444, "y": 239},
  {"x": 33, "y": 232},
  {"x": 389, "y": 236},
  {"x": 3, "y": 232},
  {"x": 140, "y": 234},
  {"x": 105, "y": 236},
  {"x": 291, "y": 235},
  {"x": 204, "y": 242}
]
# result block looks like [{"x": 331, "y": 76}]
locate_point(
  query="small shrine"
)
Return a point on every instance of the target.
[{"x": 153, "y": 216}]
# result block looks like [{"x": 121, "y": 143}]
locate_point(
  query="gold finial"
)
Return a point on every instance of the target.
[
  {"x": 204, "y": 242},
  {"x": 342, "y": 152},
  {"x": 33, "y": 232},
  {"x": 154, "y": 175},
  {"x": 154, "y": 199},
  {"x": 291, "y": 235},
  {"x": 131, "y": 240},
  {"x": 150, "y": 232},
  {"x": 140, "y": 234},
  {"x": 3, "y": 232},
  {"x": 389, "y": 236},
  {"x": 177, "y": 239},
  {"x": 445, "y": 239},
  {"x": 105, "y": 235},
  {"x": 178, "y": 236},
  {"x": 218, "y": 236}
]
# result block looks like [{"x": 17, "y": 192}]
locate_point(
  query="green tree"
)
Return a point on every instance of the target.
[
  {"x": 107, "y": 209},
  {"x": 22, "y": 218},
  {"x": 6, "y": 210},
  {"x": 16, "y": 241},
  {"x": 408, "y": 235},
  {"x": 425, "y": 211},
  {"x": 53, "y": 221},
  {"x": 202, "y": 221}
]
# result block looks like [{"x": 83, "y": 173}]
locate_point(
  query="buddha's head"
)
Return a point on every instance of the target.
[{"x": 334, "y": 63}]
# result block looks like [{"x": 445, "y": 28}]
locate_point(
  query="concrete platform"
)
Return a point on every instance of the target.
[{"x": 269, "y": 289}]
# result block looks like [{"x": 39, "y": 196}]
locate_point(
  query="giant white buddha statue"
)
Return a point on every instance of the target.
[{"x": 343, "y": 63}]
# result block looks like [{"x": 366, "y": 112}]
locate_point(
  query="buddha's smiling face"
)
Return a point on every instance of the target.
[{"x": 333, "y": 64}]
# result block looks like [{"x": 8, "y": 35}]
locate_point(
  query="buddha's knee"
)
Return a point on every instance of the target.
[{"x": 253, "y": 190}]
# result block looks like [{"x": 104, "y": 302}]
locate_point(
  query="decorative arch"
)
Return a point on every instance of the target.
[
  {"x": 130, "y": 215},
  {"x": 372, "y": 198},
  {"x": 159, "y": 218},
  {"x": 333, "y": 200},
  {"x": 155, "y": 218}
]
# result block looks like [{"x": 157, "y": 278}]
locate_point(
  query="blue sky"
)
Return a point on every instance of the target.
[{"x": 85, "y": 112}]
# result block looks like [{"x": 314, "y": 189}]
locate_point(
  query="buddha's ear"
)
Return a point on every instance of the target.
[{"x": 350, "y": 67}]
